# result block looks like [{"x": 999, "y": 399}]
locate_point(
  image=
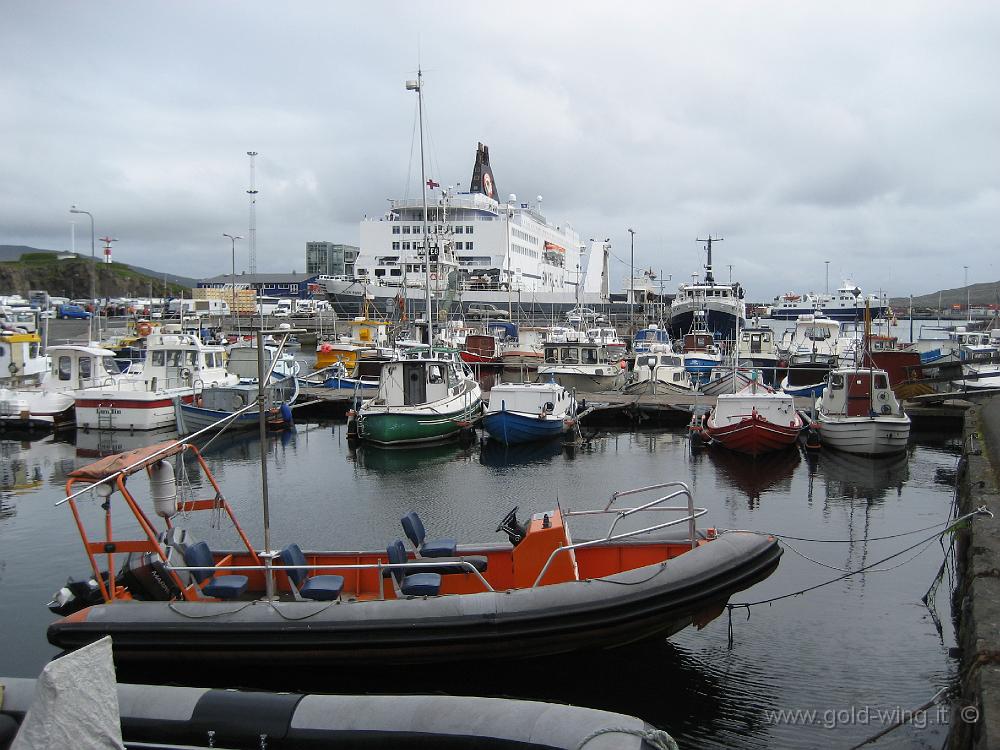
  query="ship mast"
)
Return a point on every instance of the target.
[
  {"x": 709, "y": 279},
  {"x": 417, "y": 86}
]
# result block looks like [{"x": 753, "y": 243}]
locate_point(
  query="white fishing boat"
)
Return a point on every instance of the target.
[
  {"x": 51, "y": 404},
  {"x": 22, "y": 360},
  {"x": 859, "y": 413},
  {"x": 609, "y": 339},
  {"x": 658, "y": 370},
  {"x": 176, "y": 365},
  {"x": 585, "y": 367},
  {"x": 811, "y": 352},
  {"x": 759, "y": 350}
]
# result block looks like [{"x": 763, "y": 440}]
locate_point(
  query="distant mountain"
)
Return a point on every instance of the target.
[
  {"x": 987, "y": 293},
  {"x": 9, "y": 253}
]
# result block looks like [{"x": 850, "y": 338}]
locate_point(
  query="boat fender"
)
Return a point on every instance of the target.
[
  {"x": 886, "y": 409},
  {"x": 12, "y": 367},
  {"x": 286, "y": 413},
  {"x": 163, "y": 489}
]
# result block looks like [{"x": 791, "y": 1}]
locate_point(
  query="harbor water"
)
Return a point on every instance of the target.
[{"x": 828, "y": 668}]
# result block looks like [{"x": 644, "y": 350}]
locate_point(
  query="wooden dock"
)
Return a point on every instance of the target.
[{"x": 614, "y": 406}]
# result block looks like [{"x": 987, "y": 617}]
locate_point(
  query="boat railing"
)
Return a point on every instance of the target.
[
  {"x": 689, "y": 509},
  {"x": 421, "y": 564}
]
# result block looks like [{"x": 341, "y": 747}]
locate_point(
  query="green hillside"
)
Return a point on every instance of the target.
[{"x": 70, "y": 277}]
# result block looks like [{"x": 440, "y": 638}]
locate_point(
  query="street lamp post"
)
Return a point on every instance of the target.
[
  {"x": 631, "y": 282},
  {"x": 93, "y": 268},
  {"x": 233, "y": 238}
]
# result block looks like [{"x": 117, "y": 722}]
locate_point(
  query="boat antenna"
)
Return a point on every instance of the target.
[
  {"x": 418, "y": 86},
  {"x": 709, "y": 279}
]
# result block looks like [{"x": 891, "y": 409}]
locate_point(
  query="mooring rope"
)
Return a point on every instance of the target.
[
  {"x": 655, "y": 737},
  {"x": 952, "y": 525}
]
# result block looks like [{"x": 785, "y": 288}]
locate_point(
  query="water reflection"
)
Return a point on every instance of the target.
[
  {"x": 25, "y": 464},
  {"x": 100, "y": 443},
  {"x": 756, "y": 476},
  {"x": 850, "y": 477},
  {"x": 497, "y": 455},
  {"x": 397, "y": 460}
]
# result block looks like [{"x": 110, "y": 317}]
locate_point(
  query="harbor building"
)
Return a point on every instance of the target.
[
  {"x": 330, "y": 259},
  {"x": 284, "y": 285}
]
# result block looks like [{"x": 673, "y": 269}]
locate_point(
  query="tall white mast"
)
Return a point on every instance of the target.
[
  {"x": 418, "y": 86},
  {"x": 252, "y": 236}
]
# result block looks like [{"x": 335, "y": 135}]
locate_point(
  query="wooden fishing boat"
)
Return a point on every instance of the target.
[
  {"x": 754, "y": 420},
  {"x": 162, "y": 595},
  {"x": 420, "y": 400},
  {"x": 481, "y": 349}
]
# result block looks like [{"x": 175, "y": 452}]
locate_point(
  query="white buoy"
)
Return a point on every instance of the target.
[{"x": 163, "y": 489}]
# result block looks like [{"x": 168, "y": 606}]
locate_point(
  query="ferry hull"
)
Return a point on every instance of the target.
[{"x": 512, "y": 428}]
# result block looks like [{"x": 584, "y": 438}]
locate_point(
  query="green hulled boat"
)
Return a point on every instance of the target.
[{"x": 420, "y": 401}]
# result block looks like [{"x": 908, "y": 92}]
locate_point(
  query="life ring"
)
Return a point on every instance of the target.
[
  {"x": 144, "y": 329},
  {"x": 185, "y": 373},
  {"x": 434, "y": 277},
  {"x": 12, "y": 367}
]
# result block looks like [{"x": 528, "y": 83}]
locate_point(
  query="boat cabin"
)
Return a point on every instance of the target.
[
  {"x": 75, "y": 367},
  {"x": 411, "y": 382},
  {"x": 647, "y": 337},
  {"x": 179, "y": 360},
  {"x": 575, "y": 354},
  {"x": 21, "y": 357},
  {"x": 700, "y": 342},
  {"x": 367, "y": 332},
  {"x": 862, "y": 392},
  {"x": 530, "y": 398},
  {"x": 482, "y": 346},
  {"x": 757, "y": 341}
]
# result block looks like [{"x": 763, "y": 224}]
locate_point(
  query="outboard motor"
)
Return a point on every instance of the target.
[{"x": 77, "y": 595}]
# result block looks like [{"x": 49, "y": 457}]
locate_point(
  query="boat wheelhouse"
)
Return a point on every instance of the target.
[
  {"x": 811, "y": 352},
  {"x": 22, "y": 361},
  {"x": 420, "y": 400},
  {"x": 645, "y": 338},
  {"x": 585, "y": 367},
  {"x": 758, "y": 350},
  {"x": 658, "y": 370}
]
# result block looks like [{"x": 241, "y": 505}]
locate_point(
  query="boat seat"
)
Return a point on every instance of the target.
[
  {"x": 413, "y": 527},
  {"x": 410, "y": 584},
  {"x": 221, "y": 587},
  {"x": 325, "y": 588},
  {"x": 479, "y": 563}
]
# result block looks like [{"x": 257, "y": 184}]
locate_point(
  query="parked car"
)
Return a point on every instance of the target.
[
  {"x": 483, "y": 310},
  {"x": 64, "y": 312},
  {"x": 585, "y": 315}
]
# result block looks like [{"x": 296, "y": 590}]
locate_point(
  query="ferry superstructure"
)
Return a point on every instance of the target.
[
  {"x": 481, "y": 250},
  {"x": 722, "y": 304},
  {"x": 847, "y": 304}
]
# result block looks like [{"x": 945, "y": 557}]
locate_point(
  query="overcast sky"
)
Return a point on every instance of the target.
[{"x": 863, "y": 134}]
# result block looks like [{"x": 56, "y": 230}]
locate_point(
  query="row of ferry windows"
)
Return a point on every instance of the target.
[
  {"x": 416, "y": 246},
  {"x": 521, "y": 250},
  {"x": 407, "y": 229},
  {"x": 530, "y": 239}
]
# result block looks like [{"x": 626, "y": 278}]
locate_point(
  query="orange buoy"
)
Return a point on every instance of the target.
[{"x": 144, "y": 328}]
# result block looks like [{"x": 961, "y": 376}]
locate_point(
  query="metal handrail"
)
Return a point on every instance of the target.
[
  {"x": 343, "y": 566},
  {"x": 692, "y": 514}
]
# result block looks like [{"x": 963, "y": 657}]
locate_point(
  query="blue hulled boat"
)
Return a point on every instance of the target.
[{"x": 523, "y": 412}]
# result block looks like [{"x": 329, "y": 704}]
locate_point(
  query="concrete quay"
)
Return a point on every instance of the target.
[{"x": 977, "y": 598}]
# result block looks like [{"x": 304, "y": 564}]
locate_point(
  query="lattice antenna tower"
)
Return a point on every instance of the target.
[{"x": 252, "y": 236}]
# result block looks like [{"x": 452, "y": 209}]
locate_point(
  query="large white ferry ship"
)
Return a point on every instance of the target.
[
  {"x": 481, "y": 250},
  {"x": 847, "y": 304}
]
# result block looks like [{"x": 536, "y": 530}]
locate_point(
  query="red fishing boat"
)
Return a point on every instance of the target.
[
  {"x": 754, "y": 420},
  {"x": 481, "y": 349}
]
